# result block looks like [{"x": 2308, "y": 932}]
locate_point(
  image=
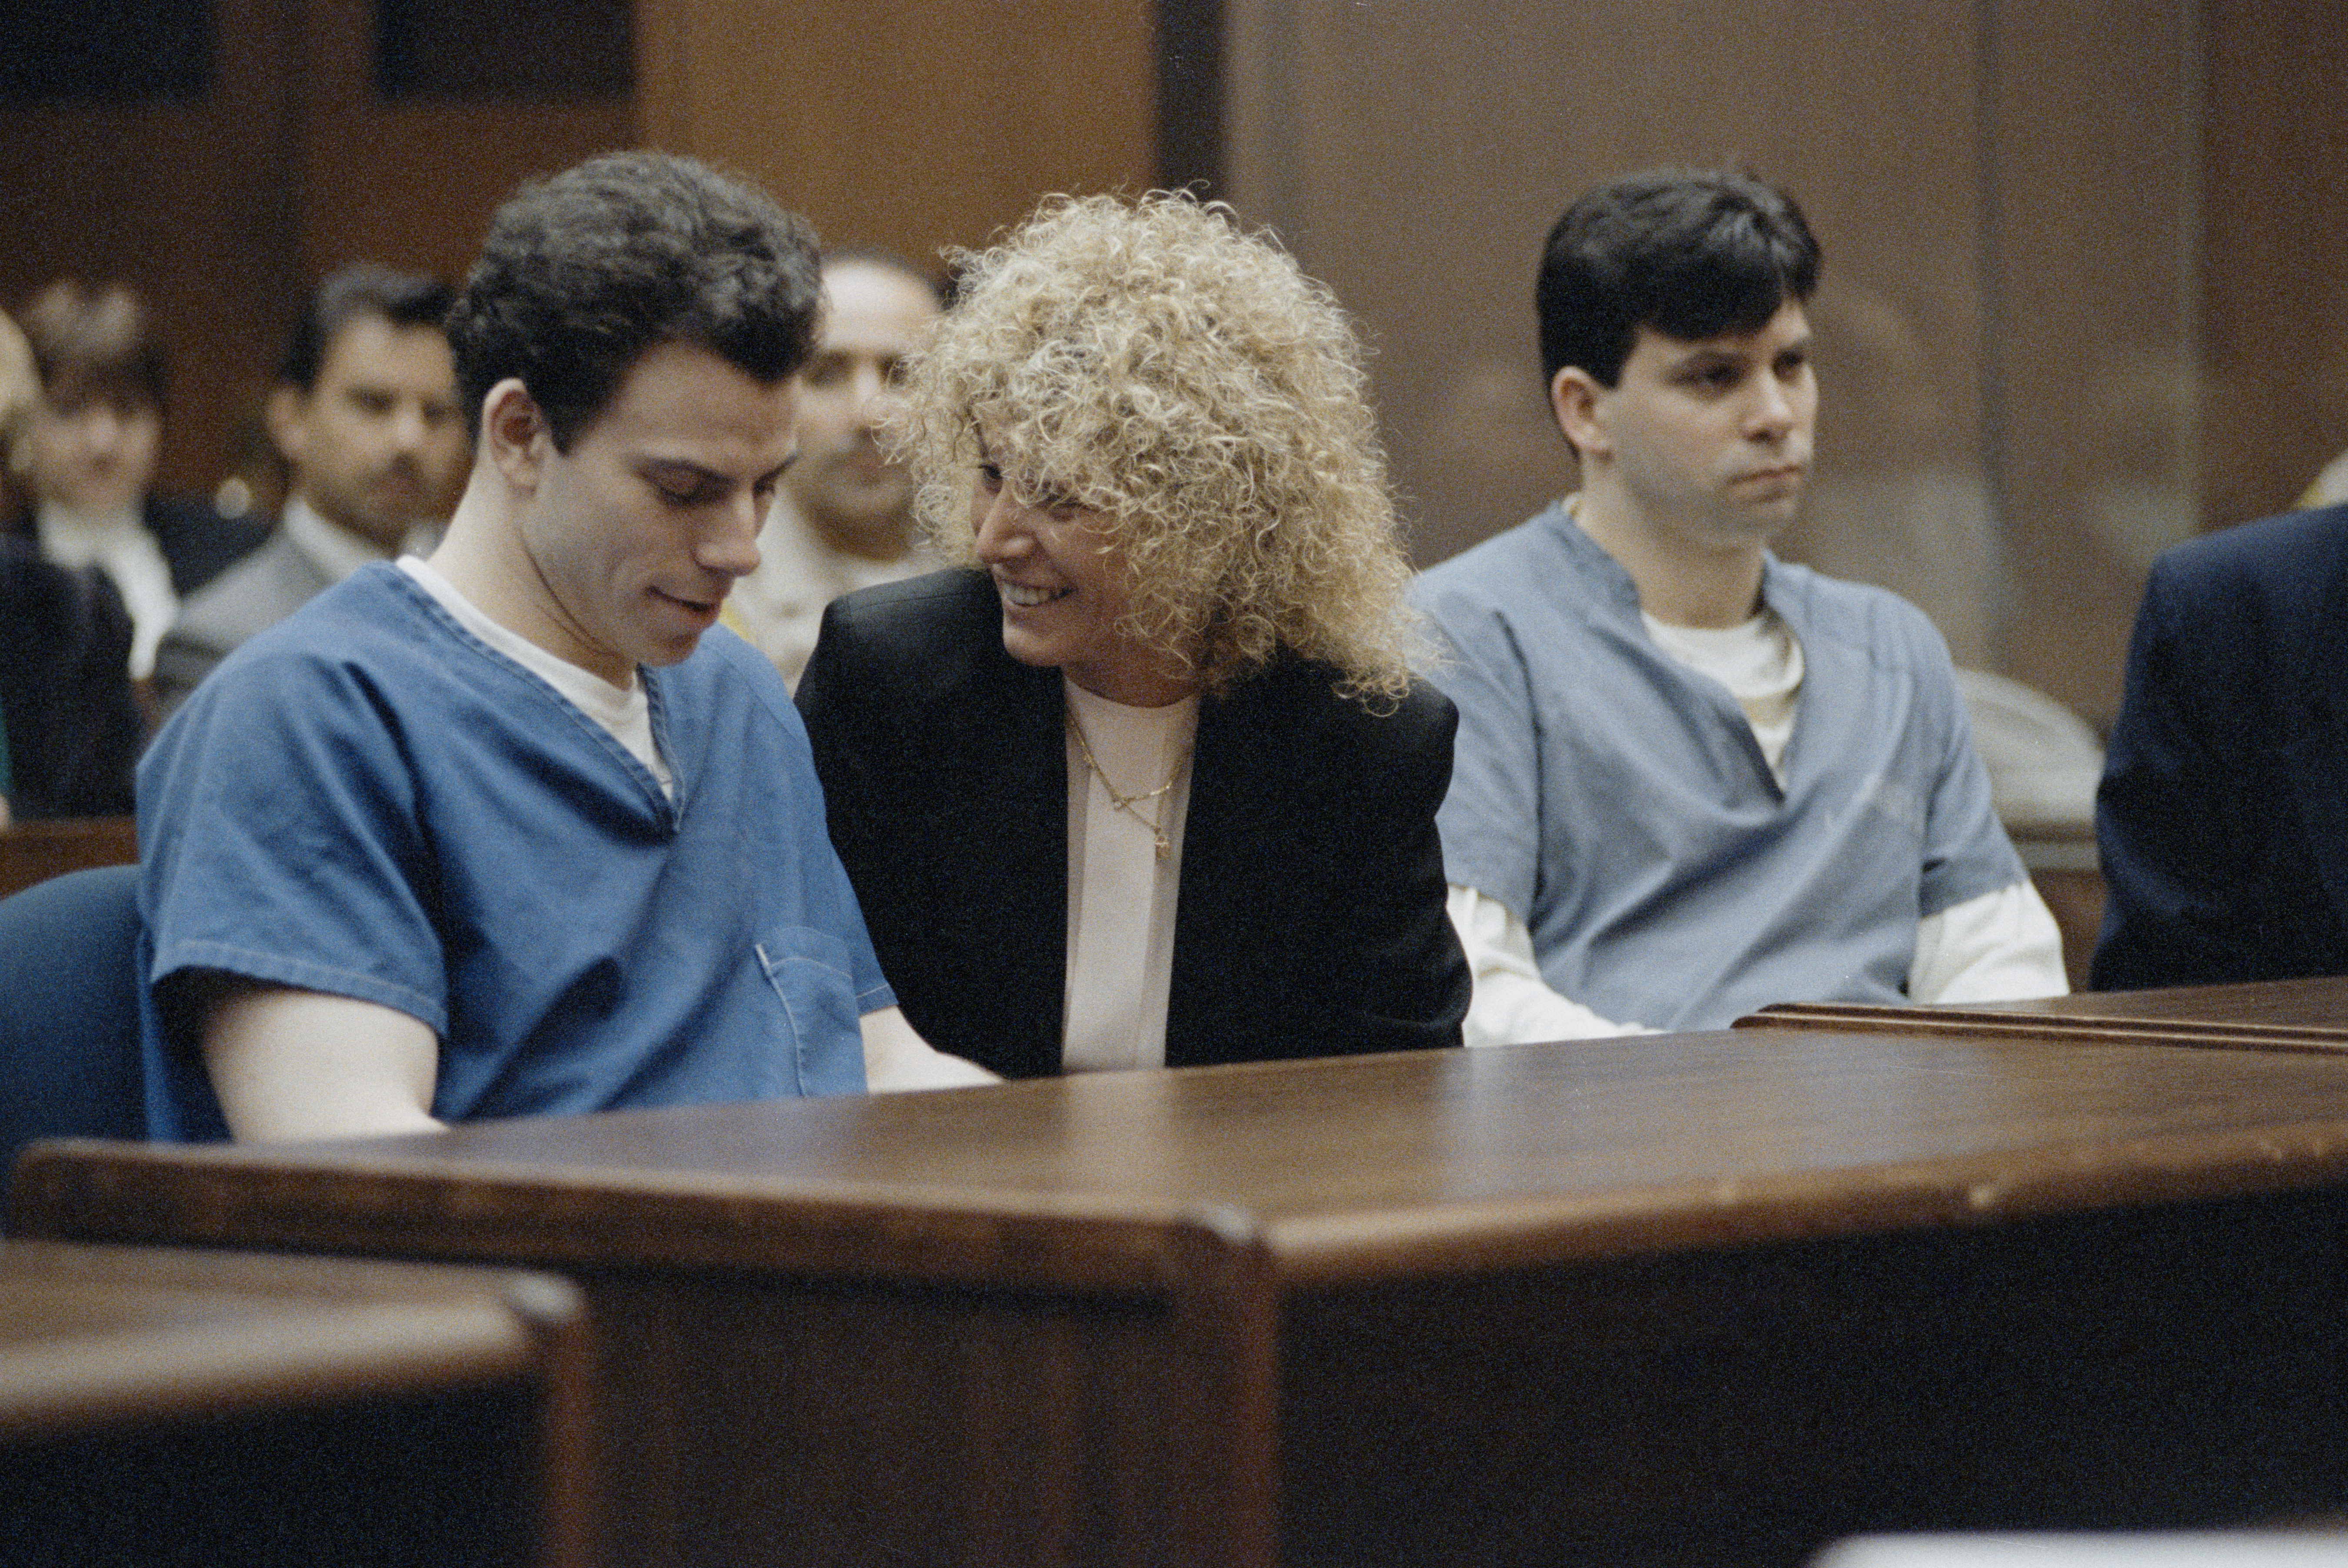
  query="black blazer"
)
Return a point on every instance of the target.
[
  {"x": 2223, "y": 815},
  {"x": 1310, "y": 920},
  {"x": 199, "y": 542},
  {"x": 72, "y": 729}
]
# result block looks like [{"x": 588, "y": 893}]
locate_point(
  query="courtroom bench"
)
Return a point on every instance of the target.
[
  {"x": 163, "y": 1407},
  {"x": 33, "y": 852}
]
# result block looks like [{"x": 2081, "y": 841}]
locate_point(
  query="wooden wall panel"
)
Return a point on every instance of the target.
[
  {"x": 2274, "y": 263},
  {"x": 2006, "y": 328},
  {"x": 224, "y": 211},
  {"x": 2089, "y": 268},
  {"x": 186, "y": 202},
  {"x": 915, "y": 123},
  {"x": 412, "y": 183}
]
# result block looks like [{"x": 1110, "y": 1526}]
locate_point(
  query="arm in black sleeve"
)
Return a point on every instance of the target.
[{"x": 2185, "y": 905}]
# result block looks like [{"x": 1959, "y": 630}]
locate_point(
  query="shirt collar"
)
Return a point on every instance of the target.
[
  {"x": 335, "y": 551},
  {"x": 1779, "y": 589},
  {"x": 83, "y": 539}
]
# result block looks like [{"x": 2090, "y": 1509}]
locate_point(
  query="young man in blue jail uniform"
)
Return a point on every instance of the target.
[
  {"x": 503, "y": 833},
  {"x": 1692, "y": 779}
]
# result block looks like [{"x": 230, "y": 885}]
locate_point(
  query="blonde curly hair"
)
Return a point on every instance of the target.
[
  {"x": 1149, "y": 361},
  {"x": 20, "y": 391}
]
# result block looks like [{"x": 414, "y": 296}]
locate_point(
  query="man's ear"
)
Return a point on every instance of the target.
[
  {"x": 282, "y": 411},
  {"x": 514, "y": 433},
  {"x": 1578, "y": 403}
]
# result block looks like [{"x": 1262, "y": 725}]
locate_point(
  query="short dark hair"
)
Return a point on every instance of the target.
[
  {"x": 94, "y": 342},
  {"x": 1690, "y": 252},
  {"x": 364, "y": 289},
  {"x": 582, "y": 273}
]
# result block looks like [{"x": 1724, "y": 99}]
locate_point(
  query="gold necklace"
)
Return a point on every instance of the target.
[{"x": 1156, "y": 821}]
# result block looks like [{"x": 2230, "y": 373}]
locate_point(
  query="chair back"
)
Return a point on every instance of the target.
[{"x": 69, "y": 1061}]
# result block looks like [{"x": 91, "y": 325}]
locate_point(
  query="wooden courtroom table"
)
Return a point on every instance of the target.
[
  {"x": 1681, "y": 1299},
  {"x": 169, "y": 1407},
  {"x": 2271, "y": 1015}
]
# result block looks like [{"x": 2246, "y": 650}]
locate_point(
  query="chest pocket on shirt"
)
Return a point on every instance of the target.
[
  {"x": 1895, "y": 802},
  {"x": 809, "y": 972}
]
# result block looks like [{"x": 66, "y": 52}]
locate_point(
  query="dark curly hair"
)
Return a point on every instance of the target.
[{"x": 582, "y": 273}]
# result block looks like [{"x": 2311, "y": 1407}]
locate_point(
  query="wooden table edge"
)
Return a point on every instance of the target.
[
  {"x": 82, "y": 1190},
  {"x": 1863, "y": 1018},
  {"x": 534, "y": 1216}
]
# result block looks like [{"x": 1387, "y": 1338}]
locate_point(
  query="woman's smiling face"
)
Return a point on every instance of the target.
[{"x": 1065, "y": 589}]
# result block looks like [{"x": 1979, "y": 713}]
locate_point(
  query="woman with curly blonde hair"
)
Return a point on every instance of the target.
[{"x": 1146, "y": 780}]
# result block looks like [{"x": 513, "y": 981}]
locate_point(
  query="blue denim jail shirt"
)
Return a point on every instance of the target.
[
  {"x": 1619, "y": 803},
  {"x": 368, "y": 800}
]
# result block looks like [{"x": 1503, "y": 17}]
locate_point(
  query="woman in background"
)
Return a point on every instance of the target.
[
  {"x": 69, "y": 732},
  {"x": 1146, "y": 782},
  {"x": 88, "y": 454}
]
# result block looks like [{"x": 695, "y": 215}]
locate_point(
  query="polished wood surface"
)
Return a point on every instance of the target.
[
  {"x": 1334, "y": 1169},
  {"x": 870, "y": 119},
  {"x": 93, "y": 1336},
  {"x": 348, "y": 1401},
  {"x": 1243, "y": 1315},
  {"x": 2270, "y": 1015},
  {"x": 33, "y": 852}
]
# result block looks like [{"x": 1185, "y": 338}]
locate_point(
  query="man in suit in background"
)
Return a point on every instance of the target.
[
  {"x": 844, "y": 516},
  {"x": 365, "y": 414},
  {"x": 2223, "y": 815}
]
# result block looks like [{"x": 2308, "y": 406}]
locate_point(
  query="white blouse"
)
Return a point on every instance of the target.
[
  {"x": 117, "y": 543},
  {"x": 1121, "y": 891}
]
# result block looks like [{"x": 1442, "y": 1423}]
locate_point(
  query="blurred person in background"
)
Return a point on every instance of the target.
[
  {"x": 364, "y": 414},
  {"x": 69, "y": 730},
  {"x": 88, "y": 456},
  {"x": 844, "y": 516}
]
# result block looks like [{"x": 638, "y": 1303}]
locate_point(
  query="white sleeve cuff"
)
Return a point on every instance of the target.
[
  {"x": 1512, "y": 1004},
  {"x": 2001, "y": 947}
]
